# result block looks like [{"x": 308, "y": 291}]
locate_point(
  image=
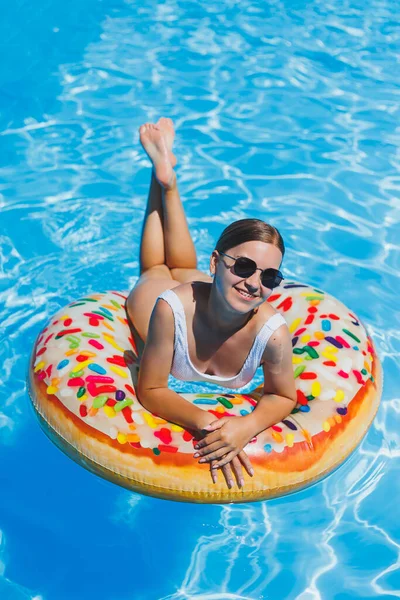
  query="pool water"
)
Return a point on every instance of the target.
[{"x": 287, "y": 111}]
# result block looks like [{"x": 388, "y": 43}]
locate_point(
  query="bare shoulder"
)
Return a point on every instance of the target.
[
  {"x": 184, "y": 290},
  {"x": 190, "y": 293}
]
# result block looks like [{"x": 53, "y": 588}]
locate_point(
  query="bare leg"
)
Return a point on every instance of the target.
[
  {"x": 165, "y": 238},
  {"x": 167, "y": 252},
  {"x": 152, "y": 248},
  {"x": 180, "y": 252}
]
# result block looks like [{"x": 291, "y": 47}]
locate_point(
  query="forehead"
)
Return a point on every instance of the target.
[{"x": 265, "y": 255}]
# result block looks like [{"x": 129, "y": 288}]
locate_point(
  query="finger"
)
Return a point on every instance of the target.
[
  {"x": 238, "y": 471},
  {"x": 226, "y": 459},
  {"x": 244, "y": 459},
  {"x": 211, "y": 437},
  {"x": 228, "y": 475},
  {"x": 210, "y": 448},
  {"x": 214, "y": 473},
  {"x": 216, "y": 454},
  {"x": 214, "y": 425}
]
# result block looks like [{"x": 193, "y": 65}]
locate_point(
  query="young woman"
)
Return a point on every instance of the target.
[{"x": 216, "y": 328}]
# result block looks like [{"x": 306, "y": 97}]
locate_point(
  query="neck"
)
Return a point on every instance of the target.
[{"x": 222, "y": 316}]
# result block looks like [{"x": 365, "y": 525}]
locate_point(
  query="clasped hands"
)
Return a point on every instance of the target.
[{"x": 222, "y": 447}]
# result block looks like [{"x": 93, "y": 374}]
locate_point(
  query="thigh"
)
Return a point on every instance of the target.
[{"x": 141, "y": 301}]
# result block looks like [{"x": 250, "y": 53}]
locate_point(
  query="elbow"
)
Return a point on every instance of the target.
[
  {"x": 288, "y": 403},
  {"x": 148, "y": 397},
  {"x": 144, "y": 397},
  {"x": 291, "y": 401}
]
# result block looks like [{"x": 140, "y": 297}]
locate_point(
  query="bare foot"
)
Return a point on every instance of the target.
[
  {"x": 155, "y": 146},
  {"x": 167, "y": 127}
]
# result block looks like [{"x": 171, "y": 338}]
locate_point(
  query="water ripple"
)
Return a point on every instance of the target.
[{"x": 284, "y": 111}]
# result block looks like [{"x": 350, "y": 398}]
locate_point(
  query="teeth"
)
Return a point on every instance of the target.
[{"x": 245, "y": 294}]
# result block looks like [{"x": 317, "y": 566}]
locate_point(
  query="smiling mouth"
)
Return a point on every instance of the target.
[{"x": 245, "y": 295}]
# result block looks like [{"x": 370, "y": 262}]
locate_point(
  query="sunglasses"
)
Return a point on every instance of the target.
[{"x": 245, "y": 267}]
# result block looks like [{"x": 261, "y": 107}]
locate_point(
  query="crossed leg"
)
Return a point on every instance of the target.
[{"x": 167, "y": 253}]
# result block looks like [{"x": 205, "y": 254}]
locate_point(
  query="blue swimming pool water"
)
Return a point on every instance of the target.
[{"x": 287, "y": 111}]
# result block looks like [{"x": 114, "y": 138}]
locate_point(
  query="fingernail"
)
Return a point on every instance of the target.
[
  {"x": 202, "y": 460},
  {"x": 196, "y": 454},
  {"x": 196, "y": 446},
  {"x": 241, "y": 482},
  {"x": 230, "y": 484},
  {"x": 251, "y": 472}
]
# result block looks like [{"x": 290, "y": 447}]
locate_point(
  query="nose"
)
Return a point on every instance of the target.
[{"x": 254, "y": 280}]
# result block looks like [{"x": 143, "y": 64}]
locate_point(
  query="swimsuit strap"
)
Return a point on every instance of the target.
[
  {"x": 179, "y": 316},
  {"x": 262, "y": 338}
]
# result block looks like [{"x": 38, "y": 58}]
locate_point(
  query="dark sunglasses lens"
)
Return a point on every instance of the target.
[
  {"x": 271, "y": 278},
  {"x": 244, "y": 267}
]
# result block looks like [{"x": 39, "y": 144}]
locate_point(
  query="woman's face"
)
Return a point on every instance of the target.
[{"x": 244, "y": 294}]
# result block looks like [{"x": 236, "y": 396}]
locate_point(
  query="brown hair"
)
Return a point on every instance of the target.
[{"x": 249, "y": 230}]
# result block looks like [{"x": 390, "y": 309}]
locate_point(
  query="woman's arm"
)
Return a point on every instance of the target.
[
  {"x": 228, "y": 436},
  {"x": 279, "y": 396},
  {"x": 155, "y": 367}
]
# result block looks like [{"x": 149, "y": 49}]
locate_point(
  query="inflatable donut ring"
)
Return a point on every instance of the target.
[{"x": 82, "y": 384}]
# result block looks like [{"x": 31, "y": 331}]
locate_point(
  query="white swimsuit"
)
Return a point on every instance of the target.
[{"x": 182, "y": 366}]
